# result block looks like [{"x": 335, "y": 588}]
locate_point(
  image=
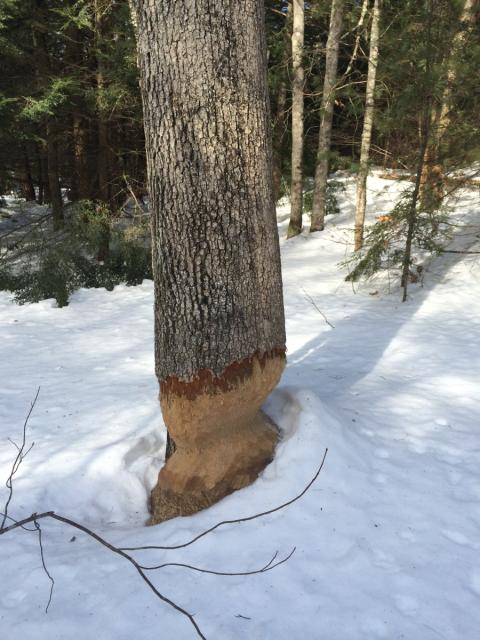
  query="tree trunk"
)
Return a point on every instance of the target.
[
  {"x": 104, "y": 162},
  {"x": 41, "y": 181},
  {"x": 325, "y": 135},
  {"x": 432, "y": 188},
  {"x": 296, "y": 192},
  {"x": 219, "y": 324},
  {"x": 56, "y": 200},
  {"x": 367, "y": 127},
  {"x": 279, "y": 122},
  {"x": 79, "y": 134},
  {"x": 28, "y": 186}
]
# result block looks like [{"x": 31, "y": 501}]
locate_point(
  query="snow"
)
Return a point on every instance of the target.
[{"x": 387, "y": 539}]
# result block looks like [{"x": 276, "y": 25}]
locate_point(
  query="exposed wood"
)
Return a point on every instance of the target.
[{"x": 216, "y": 263}]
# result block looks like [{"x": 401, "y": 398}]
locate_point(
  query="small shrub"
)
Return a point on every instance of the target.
[
  {"x": 384, "y": 244},
  {"x": 93, "y": 250}
]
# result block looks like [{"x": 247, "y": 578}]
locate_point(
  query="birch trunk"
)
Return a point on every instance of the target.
[
  {"x": 367, "y": 126},
  {"x": 219, "y": 323},
  {"x": 325, "y": 134},
  {"x": 296, "y": 191},
  {"x": 432, "y": 190}
]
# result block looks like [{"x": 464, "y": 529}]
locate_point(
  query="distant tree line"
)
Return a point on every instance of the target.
[{"x": 352, "y": 83}]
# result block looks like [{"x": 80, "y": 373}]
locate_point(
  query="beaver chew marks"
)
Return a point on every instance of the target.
[{"x": 223, "y": 440}]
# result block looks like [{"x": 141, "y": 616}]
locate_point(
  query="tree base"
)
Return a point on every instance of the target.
[{"x": 223, "y": 440}]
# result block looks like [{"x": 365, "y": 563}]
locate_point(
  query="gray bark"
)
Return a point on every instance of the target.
[
  {"x": 296, "y": 192},
  {"x": 218, "y": 294},
  {"x": 367, "y": 126},
  {"x": 325, "y": 134}
]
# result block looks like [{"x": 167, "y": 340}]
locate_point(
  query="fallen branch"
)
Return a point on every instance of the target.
[
  {"x": 34, "y": 519},
  {"x": 237, "y": 520},
  {"x": 21, "y": 453},
  {"x": 309, "y": 297}
]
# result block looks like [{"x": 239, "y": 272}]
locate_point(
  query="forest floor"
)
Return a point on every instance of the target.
[{"x": 387, "y": 539}]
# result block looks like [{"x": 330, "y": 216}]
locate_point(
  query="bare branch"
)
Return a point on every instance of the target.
[
  {"x": 21, "y": 453},
  {"x": 268, "y": 567},
  {"x": 36, "y": 517},
  {"x": 52, "y": 581},
  {"x": 309, "y": 297},
  {"x": 237, "y": 520},
  {"x": 51, "y": 514}
]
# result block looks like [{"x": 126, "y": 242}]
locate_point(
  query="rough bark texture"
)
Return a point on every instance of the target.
[
  {"x": 280, "y": 118},
  {"x": 296, "y": 191},
  {"x": 325, "y": 134},
  {"x": 219, "y": 324},
  {"x": 367, "y": 126}
]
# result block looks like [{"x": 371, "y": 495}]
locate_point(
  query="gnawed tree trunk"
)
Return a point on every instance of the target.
[
  {"x": 219, "y": 324},
  {"x": 432, "y": 181},
  {"x": 326, "y": 117},
  {"x": 367, "y": 127},
  {"x": 296, "y": 191}
]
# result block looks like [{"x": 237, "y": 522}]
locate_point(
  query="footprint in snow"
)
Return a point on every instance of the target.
[{"x": 457, "y": 537}]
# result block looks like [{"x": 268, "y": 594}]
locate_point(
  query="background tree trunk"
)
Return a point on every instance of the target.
[
  {"x": 328, "y": 100},
  {"x": 56, "y": 199},
  {"x": 367, "y": 127},
  {"x": 29, "y": 187},
  {"x": 296, "y": 192},
  {"x": 431, "y": 189},
  {"x": 280, "y": 118},
  {"x": 219, "y": 324}
]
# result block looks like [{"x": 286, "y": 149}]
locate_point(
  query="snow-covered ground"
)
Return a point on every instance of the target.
[{"x": 388, "y": 538}]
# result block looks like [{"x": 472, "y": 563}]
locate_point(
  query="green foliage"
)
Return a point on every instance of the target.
[
  {"x": 384, "y": 241},
  {"x": 54, "y": 266},
  {"x": 55, "y": 96}
]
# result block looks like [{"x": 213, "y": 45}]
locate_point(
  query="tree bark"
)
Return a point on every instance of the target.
[
  {"x": 219, "y": 323},
  {"x": 80, "y": 159},
  {"x": 296, "y": 191},
  {"x": 56, "y": 200},
  {"x": 101, "y": 8},
  {"x": 279, "y": 122},
  {"x": 325, "y": 134},
  {"x": 28, "y": 186},
  {"x": 367, "y": 126},
  {"x": 432, "y": 187}
]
